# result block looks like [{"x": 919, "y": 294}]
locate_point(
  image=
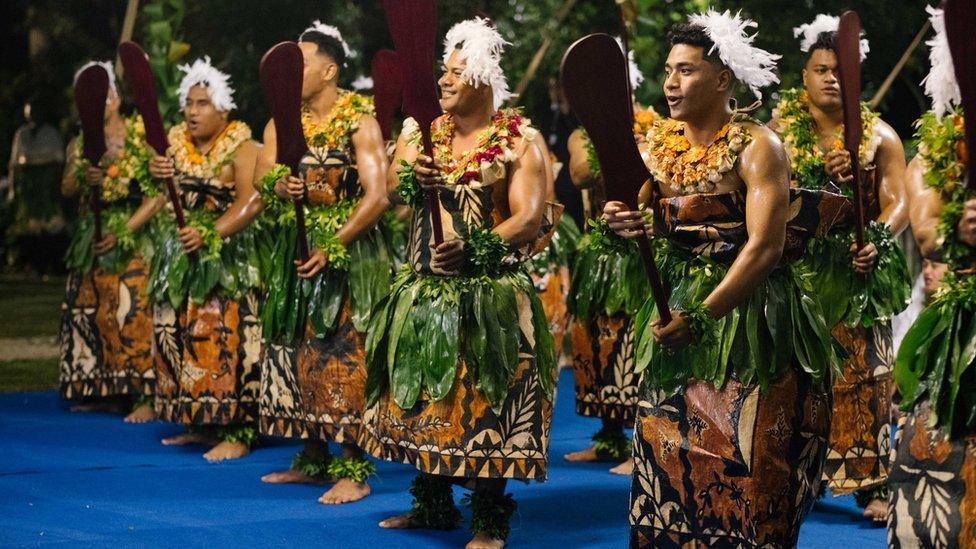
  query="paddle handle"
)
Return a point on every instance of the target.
[
  {"x": 657, "y": 288},
  {"x": 96, "y": 206},
  {"x": 858, "y": 199},
  {"x": 301, "y": 235},
  {"x": 174, "y": 199},
  {"x": 433, "y": 203}
]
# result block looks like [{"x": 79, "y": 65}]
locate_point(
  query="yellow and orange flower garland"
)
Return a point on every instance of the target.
[
  {"x": 644, "y": 120},
  {"x": 496, "y": 142},
  {"x": 336, "y": 129},
  {"x": 191, "y": 163},
  {"x": 688, "y": 168},
  {"x": 120, "y": 171}
]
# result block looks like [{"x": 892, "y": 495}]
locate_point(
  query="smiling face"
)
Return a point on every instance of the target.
[
  {"x": 202, "y": 118},
  {"x": 320, "y": 70},
  {"x": 694, "y": 85},
  {"x": 821, "y": 80},
  {"x": 457, "y": 95}
]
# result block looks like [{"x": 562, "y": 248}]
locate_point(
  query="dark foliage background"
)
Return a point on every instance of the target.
[{"x": 47, "y": 40}]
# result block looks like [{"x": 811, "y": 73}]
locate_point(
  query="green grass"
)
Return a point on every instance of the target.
[
  {"x": 31, "y": 307},
  {"x": 28, "y": 375}
]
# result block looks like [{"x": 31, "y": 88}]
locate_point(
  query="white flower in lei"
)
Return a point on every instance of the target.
[
  {"x": 824, "y": 23},
  {"x": 109, "y": 68},
  {"x": 333, "y": 32},
  {"x": 202, "y": 73},
  {"x": 754, "y": 67},
  {"x": 481, "y": 47},
  {"x": 940, "y": 84}
]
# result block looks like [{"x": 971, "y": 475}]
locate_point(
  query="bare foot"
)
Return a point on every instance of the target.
[
  {"x": 482, "y": 540},
  {"x": 144, "y": 413},
  {"x": 625, "y": 468},
  {"x": 398, "y": 522},
  {"x": 877, "y": 510},
  {"x": 292, "y": 476},
  {"x": 583, "y": 455},
  {"x": 190, "y": 438},
  {"x": 345, "y": 491},
  {"x": 227, "y": 450}
]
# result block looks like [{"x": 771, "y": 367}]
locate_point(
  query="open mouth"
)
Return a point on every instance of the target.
[
  {"x": 674, "y": 101},
  {"x": 445, "y": 93},
  {"x": 831, "y": 91}
]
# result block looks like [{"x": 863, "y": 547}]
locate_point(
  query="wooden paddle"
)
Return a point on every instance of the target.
[
  {"x": 960, "y": 16},
  {"x": 387, "y": 89},
  {"x": 281, "y": 79},
  {"x": 91, "y": 93},
  {"x": 847, "y": 47},
  {"x": 142, "y": 83},
  {"x": 594, "y": 76},
  {"x": 413, "y": 25}
]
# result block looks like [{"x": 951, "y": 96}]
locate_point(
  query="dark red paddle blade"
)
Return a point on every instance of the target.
[
  {"x": 142, "y": 83},
  {"x": 91, "y": 92},
  {"x": 387, "y": 89},
  {"x": 413, "y": 25},
  {"x": 594, "y": 77},
  {"x": 847, "y": 47},
  {"x": 281, "y": 79},
  {"x": 960, "y": 18}
]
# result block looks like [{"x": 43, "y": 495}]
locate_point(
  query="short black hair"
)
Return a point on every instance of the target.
[
  {"x": 326, "y": 44},
  {"x": 694, "y": 35},
  {"x": 825, "y": 41}
]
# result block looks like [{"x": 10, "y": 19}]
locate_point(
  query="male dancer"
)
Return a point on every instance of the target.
[
  {"x": 461, "y": 361},
  {"x": 314, "y": 371},
  {"x": 933, "y": 471},
  {"x": 106, "y": 324},
  {"x": 204, "y": 276},
  {"x": 859, "y": 290},
  {"x": 734, "y": 413},
  {"x": 608, "y": 286}
]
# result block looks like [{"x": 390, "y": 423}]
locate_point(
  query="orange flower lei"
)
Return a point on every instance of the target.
[
  {"x": 336, "y": 129},
  {"x": 691, "y": 169},
  {"x": 206, "y": 166},
  {"x": 495, "y": 141}
]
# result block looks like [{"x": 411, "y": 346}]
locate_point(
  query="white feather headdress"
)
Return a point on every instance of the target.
[
  {"x": 636, "y": 76},
  {"x": 823, "y": 23},
  {"x": 329, "y": 30},
  {"x": 202, "y": 73},
  {"x": 362, "y": 83},
  {"x": 940, "y": 84},
  {"x": 481, "y": 47},
  {"x": 754, "y": 67},
  {"x": 109, "y": 68}
]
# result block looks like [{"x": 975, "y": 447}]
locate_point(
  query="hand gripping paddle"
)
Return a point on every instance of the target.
[
  {"x": 413, "y": 25},
  {"x": 847, "y": 47},
  {"x": 281, "y": 79},
  {"x": 594, "y": 75},
  {"x": 91, "y": 92},
  {"x": 142, "y": 83}
]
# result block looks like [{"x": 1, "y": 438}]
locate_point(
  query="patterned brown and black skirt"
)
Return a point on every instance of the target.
[
  {"x": 553, "y": 288},
  {"x": 317, "y": 389},
  {"x": 860, "y": 430},
  {"x": 603, "y": 368},
  {"x": 728, "y": 468},
  {"x": 933, "y": 487},
  {"x": 207, "y": 361},
  {"x": 106, "y": 334}
]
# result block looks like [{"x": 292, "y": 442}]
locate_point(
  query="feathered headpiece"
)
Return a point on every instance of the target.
[
  {"x": 821, "y": 24},
  {"x": 362, "y": 83},
  {"x": 333, "y": 32},
  {"x": 940, "y": 84},
  {"x": 202, "y": 73},
  {"x": 636, "y": 76},
  {"x": 754, "y": 67},
  {"x": 481, "y": 47},
  {"x": 109, "y": 68}
]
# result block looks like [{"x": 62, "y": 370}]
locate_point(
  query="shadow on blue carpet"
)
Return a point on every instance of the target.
[{"x": 89, "y": 479}]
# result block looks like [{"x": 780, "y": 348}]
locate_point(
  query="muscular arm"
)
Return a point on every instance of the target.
[
  {"x": 526, "y": 198},
  {"x": 68, "y": 184},
  {"x": 891, "y": 168},
  {"x": 150, "y": 206},
  {"x": 373, "y": 169},
  {"x": 244, "y": 208},
  {"x": 925, "y": 206},
  {"x": 765, "y": 170},
  {"x": 540, "y": 142},
  {"x": 579, "y": 167}
]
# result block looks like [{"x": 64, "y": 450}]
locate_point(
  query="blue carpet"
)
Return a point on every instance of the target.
[{"x": 89, "y": 479}]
